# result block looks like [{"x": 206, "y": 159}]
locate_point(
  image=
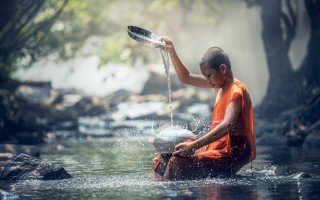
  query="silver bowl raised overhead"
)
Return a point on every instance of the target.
[{"x": 145, "y": 37}]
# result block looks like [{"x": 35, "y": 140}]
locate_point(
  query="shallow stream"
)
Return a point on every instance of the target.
[{"x": 120, "y": 168}]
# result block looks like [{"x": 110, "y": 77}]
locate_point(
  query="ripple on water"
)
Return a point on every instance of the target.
[
  {"x": 258, "y": 177},
  {"x": 92, "y": 182}
]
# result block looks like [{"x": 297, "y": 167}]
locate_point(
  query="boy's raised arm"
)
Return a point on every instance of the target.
[{"x": 182, "y": 71}]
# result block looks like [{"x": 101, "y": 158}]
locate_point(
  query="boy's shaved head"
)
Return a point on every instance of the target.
[{"x": 214, "y": 57}]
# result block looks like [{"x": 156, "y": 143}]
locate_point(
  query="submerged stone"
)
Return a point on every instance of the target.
[
  {"x": 25, "y": 167},
  {"x": 7, "y": 195},
  {"x": 165, "y": 141},
  {"x": 300, "y": 175}
]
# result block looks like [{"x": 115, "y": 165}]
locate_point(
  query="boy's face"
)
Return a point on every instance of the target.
[{"x": 215, "y": 77}]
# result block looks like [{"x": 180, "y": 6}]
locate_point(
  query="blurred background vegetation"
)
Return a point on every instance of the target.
[{"x": 32, "y": 30}]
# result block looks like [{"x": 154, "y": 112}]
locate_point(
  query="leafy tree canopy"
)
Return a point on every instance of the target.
[{"x": 30, "y": 30}]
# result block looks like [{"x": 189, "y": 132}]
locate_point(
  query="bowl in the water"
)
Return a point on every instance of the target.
[
  {"x": 166, "y": 140},
  {"x": 145, "y": 37}
]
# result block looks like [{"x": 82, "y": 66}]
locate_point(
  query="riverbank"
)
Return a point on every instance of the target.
[{"x": 35, "y": 113}]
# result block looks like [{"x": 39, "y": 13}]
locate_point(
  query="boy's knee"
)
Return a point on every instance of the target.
[
  {"x": 180, "y": 161},
  {"x": 176, "y": 159}
]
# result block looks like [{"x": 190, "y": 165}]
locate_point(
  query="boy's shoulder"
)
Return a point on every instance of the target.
[
  {"x": 240, "y": 88},
  {"x": 239, "y": 85}
]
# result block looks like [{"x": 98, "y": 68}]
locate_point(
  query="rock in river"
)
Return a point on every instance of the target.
[
  {"x": 25, "y": 167},
  {"x": 165, "y": 140}
]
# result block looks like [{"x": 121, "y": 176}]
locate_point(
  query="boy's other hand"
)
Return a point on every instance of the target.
[{"x": 183, "y": 149}]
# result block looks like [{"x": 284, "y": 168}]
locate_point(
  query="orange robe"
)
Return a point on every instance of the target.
[
  {"x": 226, "y": 155},
  {"x": 244, "y": 124}
]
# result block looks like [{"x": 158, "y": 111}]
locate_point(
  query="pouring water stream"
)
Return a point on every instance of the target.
[{"x": 165, "y": 59}]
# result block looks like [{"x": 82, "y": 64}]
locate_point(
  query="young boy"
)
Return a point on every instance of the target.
[{"x": 230, "y": 144}]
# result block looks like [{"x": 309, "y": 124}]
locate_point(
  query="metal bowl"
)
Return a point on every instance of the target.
[
  {"x": 145, "y": 37},
  {"x": 166, "y": 140}
]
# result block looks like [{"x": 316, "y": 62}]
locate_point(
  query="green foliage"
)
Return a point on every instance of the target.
[
  {"x": 34, "y": 29},
  {"x": 117, "y": 48},
  {"x": 78, "y": 21},
  {"x": 164, "y": 5}
]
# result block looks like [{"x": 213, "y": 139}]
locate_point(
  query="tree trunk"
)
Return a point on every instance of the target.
[
  {"x": 287, "y": 89},
  {"x": 310, "y": 69},
  {"x": 281, "y": 75}
]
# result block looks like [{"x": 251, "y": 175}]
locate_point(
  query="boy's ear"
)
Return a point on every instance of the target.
[{"x": 223, "y": 68}]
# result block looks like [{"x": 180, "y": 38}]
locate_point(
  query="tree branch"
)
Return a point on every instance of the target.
[
  {"x": 290, "y": 30},
  {"x": 31, "y": 10},
  {"x": 14, "y": 30},
  {"x": 311, "y": 7},
  {"x": 6, "y": 13},
  {"x": 30, "y": 17},
  {"x": 45, "y": 26},
  {"x": 291, "y": 13}
]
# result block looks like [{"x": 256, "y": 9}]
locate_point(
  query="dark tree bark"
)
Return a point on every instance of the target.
[
  {"x": 287, "y": 88},
  {"x": 276, "y": 41},
  {"x": 310, "y": 69}
]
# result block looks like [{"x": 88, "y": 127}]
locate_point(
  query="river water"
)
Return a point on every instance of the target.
[{"x": 120, "y": 168}]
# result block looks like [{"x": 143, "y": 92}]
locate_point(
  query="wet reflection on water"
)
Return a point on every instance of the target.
[{"x": 120, "y": 168}]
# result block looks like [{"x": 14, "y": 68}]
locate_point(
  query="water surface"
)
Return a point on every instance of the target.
[{"x": 120, "y": 168}]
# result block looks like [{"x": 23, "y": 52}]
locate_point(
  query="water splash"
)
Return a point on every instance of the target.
[
  {"x": 165, "y": 59},
  {"x": 144, "y": 180}
]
